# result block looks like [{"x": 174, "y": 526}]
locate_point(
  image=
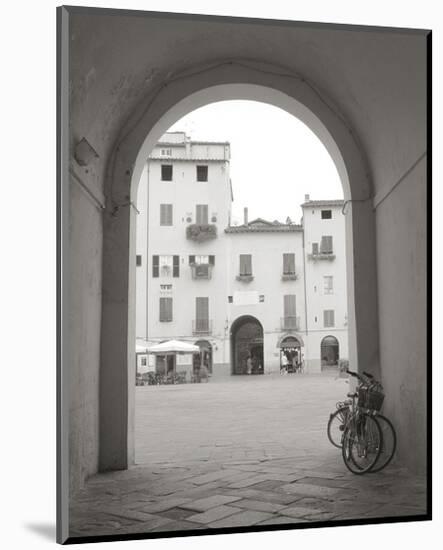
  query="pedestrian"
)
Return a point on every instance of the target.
[{"x": 249, "y": 365}]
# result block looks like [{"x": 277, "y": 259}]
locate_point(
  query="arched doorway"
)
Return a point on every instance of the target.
[
  {"x": 329, "y": 352},
  {"x": 224, "y": 81},
  {"x": 204, "y": 358},
  {"x": 247, "y": 346},
  {"x": 290, "y": 355}
]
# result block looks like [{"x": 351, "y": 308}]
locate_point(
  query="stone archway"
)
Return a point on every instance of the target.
[{"x": 180, "y": 94}]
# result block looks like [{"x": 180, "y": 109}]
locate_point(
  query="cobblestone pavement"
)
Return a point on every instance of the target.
[{"x": 248, "y": 451}]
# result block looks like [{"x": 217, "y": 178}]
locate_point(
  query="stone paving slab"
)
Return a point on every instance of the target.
[{"x": 214, "y": 471}]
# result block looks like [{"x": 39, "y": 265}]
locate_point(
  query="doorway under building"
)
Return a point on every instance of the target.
[
  {"x": 247, "y": 346},
  {"x": 290, "y": 355}
]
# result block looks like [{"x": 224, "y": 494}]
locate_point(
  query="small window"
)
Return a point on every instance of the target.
[
  {"x": 138, "y": 260},
  {"x": 230, "y": 299},
  {"x": 143, "y": 362},
  {"x": 166, "y": 288},
  {"x": 166, "y": 172},
  {"x": 328, "y": 318},
  {"x": 166, "y": 214},
  {"x": 202, "y": 173},
  {"x": 261, "y": 298},
  {"x": 166, "y": 152},
  {"x": 326, "y": 214}
]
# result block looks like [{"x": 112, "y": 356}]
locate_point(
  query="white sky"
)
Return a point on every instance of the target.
[{"x": 275, "y": 158}]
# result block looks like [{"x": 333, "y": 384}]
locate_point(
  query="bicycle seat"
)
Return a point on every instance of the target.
[{"x": 352, "y": 395}]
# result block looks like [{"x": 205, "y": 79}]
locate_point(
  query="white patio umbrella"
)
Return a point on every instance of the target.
[{"x": 172, "y": 347}]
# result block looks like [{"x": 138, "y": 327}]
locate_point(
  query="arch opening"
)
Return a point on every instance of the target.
[
  {"x": 174, "y": 101},
  {"x": 247, "y": 346},
  {"x": 329, "y": 352}
]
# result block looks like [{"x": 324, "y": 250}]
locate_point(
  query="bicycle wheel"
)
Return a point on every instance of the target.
[
  {"x": 389, "y": 443},
  {"x": 362, "y": 443},
  {"x": 336, "y": 426}
]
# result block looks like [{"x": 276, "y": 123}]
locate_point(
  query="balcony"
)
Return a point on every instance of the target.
[
  {"x": 290, "y": 323},
  {"x": 321, "y": 256},
  {"x": 201, "y": 327},
  {"x": 201, "y": 271},
  {"x": 244, "y": 278},
  {"x": 289, "y": 276},
  {"x": 201, "y": 232}
]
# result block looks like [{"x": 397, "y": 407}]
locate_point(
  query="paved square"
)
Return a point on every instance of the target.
[{"x": 247, "y": 451}]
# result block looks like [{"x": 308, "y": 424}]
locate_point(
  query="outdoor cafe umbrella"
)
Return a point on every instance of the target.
[{"x": 173, "y": 347}]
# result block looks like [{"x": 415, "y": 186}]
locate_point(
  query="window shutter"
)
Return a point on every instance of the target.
[
  {"x": 211, "y": 260},
  {"x": 326, "y": 245},
  {"x": 314, "y": 248},
  {"x": 245, "y": 264},
  {"x": 162, "y": 309},
  {"x": 202, "y": 214},
  {"x": 202, "y": 313},
  {"x": 169, "y": 214},
  {"x": 328, "y": 318},
  {"x": 289, "y": 305},
  {"x": 289, "y": 263},
  {"x": 155, "y": 266},
  {"x": 168, "y": 309},
  {"x": 176, "y": 266},
  {"x": 191, "y": 260}
]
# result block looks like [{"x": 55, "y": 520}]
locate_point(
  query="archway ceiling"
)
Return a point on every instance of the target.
[{"x": 375, "y": 78}]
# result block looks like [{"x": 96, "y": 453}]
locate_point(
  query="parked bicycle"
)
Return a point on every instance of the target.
[{"x": 366, "y": 437}]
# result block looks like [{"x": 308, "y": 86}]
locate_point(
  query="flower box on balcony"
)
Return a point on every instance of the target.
[
  {"x": 245, "y": 278},
  {"x": 201, "y": 232}
]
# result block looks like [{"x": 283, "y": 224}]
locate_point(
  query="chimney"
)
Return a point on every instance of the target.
[
  {"x": 245, "y": 216},
  {"x": 306, "y": 198}
]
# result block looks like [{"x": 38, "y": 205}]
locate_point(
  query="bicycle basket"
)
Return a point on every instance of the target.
[{"x": 370, "y": 398}]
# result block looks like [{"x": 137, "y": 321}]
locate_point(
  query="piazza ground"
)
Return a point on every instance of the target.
[{"x": 251, "y": 450}]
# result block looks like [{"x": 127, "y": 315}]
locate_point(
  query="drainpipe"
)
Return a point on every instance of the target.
[
  {"x": 304, "y": 278},
  {"x": 245, "y": 216},
  {"x": 147, "y": 249}
]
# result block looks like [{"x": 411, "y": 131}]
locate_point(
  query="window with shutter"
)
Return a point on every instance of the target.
[
  {"x": 191, "y": 260},
  {"x": 202, "y": 314},
  {"x": 166, "y": 214},
  {"x": 326, "y": 214},
  {"x": 328, "y": 284},
  {"x": 176, "y": 266},
  {"x": 289, "y": 264},
  {"x": 202, "y": 214},
  {"x": 289, "y": 305},
  {"x": 326, "y": 245},
  {"x": 289, "y": 308},
  {"x": 155, "y": 266},
  {"x": 165, "y": 309},
  {"x": 328, "y": 318},
  {"x": 245, "y": 264},
  {"x": 138, "y": 260}
]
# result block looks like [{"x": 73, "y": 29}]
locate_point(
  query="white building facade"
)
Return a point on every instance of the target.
[{"x": 256, "y": 297}]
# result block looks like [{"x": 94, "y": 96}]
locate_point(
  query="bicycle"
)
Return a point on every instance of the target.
[{"x": 366, "y": 437}]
